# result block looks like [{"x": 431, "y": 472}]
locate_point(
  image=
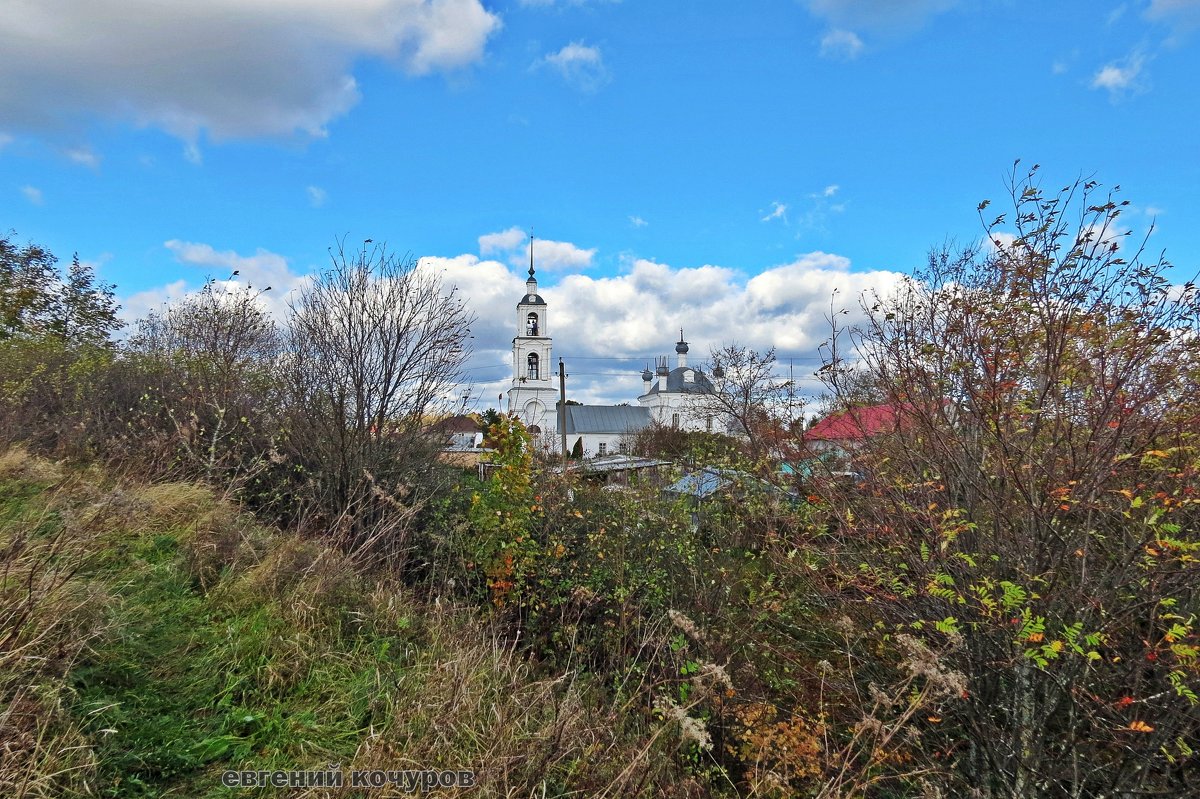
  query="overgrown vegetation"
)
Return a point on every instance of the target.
[{"x": 231, "y": 547}]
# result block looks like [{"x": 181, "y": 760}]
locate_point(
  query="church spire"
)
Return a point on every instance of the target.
[
  {"x": 681, "y": 350},
  {"x": 531, "y": 282}
]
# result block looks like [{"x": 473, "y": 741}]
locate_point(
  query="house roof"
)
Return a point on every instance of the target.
[
  {"x": 606, "y": 418},
  {"x": 711, "y": 480},
  {"x": 456, "y": 424},
  {"x": 699, "y": 383},
  {"x": 615, "y": 463},
  {"x": 857, "y": 424}
]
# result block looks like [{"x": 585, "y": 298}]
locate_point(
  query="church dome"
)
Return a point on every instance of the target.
[{"x": 647, "y": 374}]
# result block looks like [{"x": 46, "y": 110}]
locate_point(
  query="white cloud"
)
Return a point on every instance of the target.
[
  {"x": 778, "y": 211},
  {"x": 579, "y": 64},
  {"x": 503, "y": 241},
  {"x": 830, "y": 190},
  {"x": 558, "y": 256},
  {"x": 231, "y": 68},
  {"x": 606, "y": 328},
  {"x": 141, "y": 304},
  {"x": 841, "y": 44},
  {"x": 1185, "y": 12},
  {"x": 1121, "y": 78},
  {"x": 637, "y": 221},
  {"x": 261, "y": 271},
  {"x": 316, "y": 196},
  {"x": 192, "y": 154},
  {"x": 84, "y": 156},
  {"x": 5, "y": 139},
  {"x": 880, "y": 16},
  {"x": 549, "y": 255},
  {"x": 552, "y": 3},
  {"x": 33, "y": 195},
  {"x": 634, "y": 316}
]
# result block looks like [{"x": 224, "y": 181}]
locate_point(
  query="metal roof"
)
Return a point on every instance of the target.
[
  {"x": 710, "y": 480},
  {"x": 615, "y": 463},
  {"x": 606, "y": 418},
  {"x": 700, "y": 383}
]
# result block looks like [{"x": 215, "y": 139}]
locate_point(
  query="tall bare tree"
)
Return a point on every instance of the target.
[
  {"x": 375, "y": 344},
  {"x": 752, "y": 400}
]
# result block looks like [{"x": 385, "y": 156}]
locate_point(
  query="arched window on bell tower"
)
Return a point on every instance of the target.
[
  {"x": 531, "y": 324},
  {"x": 533, "y": 366}
]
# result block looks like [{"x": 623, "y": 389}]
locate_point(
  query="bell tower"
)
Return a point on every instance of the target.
[{"x": 533, "y": 397}]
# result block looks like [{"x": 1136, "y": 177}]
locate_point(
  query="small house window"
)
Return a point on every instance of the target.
[
  {"x": 533, "y": 366},
  {"x": 623, "y": 447},
  {"x": 531, "y": 325},
  {"x": 603, "y": 448}
]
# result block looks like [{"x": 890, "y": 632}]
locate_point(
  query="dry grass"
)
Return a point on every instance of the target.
[
  {"x": 47, "y": 619},
  {"x": 18, "y": 464}
]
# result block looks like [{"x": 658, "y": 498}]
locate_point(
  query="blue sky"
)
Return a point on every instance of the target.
[{"x": 713, "y": 165}]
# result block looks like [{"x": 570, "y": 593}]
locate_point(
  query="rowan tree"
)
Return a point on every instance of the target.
[{"x": 1034, "y": 517}]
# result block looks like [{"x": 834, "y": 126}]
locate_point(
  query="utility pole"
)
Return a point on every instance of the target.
[{"x": 562, "y": 410}]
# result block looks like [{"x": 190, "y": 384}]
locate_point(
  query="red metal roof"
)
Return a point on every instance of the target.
[{"x": 857, "y": 423}]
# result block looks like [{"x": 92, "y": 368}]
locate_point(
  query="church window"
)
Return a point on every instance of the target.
[
  {"x": 533, "y": 366},
  {"x": 708, "y": 423},
  {"x": 675, "y": 420},
  {"x": 531, "y": 325}
]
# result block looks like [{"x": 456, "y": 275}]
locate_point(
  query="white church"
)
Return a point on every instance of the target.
[{"x": 673, "y": 397}]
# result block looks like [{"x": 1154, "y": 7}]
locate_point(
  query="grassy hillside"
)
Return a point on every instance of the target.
[{"x": 153, "y": 637}]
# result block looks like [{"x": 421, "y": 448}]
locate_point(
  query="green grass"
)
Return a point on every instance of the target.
[
  {"x": 179, "y": 639},
  {"x": 188, "y": 684}
]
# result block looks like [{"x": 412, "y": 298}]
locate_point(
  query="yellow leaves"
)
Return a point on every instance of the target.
[
  {"x": 1157, "y": 453},
  {"x": 935, "y": 719},
  {"x": 1036, "y": 637},
  {"x": 1140, "y": 726}
]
